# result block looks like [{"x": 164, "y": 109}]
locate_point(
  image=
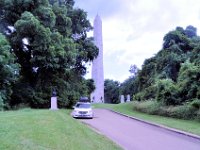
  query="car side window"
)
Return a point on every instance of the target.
[{"x": 77, "y": 105}]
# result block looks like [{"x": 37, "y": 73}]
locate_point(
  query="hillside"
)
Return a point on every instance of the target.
[{"x": 45, "y": 129}]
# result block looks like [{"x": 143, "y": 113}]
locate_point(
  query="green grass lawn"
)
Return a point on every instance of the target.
[
  {"x": 127, "y": 108},
  {"x": 30, "y": 129}
]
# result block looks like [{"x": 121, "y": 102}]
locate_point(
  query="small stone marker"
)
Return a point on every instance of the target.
[
  {"x": 122, "y": 99},
  {"x": 128, "y": 98},
  {"x": 54, "y": 103}
]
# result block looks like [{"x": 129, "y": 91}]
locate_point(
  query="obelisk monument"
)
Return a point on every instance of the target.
[{"x": 97, "y": 65}]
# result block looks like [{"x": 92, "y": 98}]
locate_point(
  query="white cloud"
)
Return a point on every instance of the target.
[{"x": 133, "y": 29}]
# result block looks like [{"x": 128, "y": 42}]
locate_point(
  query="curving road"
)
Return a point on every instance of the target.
[{"x": 135, "y": 135}]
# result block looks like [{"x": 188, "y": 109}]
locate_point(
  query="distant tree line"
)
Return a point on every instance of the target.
[
  {"x": 114, "y": 89},
  {"x": 111, "y": 91},
  {"x": 43, "y": 45}
]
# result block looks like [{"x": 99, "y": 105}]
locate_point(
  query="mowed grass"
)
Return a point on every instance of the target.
[
  {"x": 127, "y": 108},
  {"x": 30, "y": 129}
]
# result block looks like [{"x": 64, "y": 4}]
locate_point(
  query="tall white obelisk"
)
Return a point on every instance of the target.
[{"x": 97, "y": 65}]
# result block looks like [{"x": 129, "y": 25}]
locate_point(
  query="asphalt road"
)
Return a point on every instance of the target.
[{"x": 135, "y": 135}]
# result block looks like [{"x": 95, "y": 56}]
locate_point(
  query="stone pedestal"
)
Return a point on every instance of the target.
[
  {"x": 122, "y": 99},
  {"x": 54, "y": 105},
  {"x": 128, "y": 98}
]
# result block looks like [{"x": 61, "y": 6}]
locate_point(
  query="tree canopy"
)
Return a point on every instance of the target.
[{"x": 49, "y": 39}]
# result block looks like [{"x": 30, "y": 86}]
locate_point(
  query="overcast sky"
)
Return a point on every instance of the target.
[{"x": 133, "y": 30}]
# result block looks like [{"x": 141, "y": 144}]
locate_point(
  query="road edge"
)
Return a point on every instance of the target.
[
  {"x": 158, "y": 125},
  {"x": 100, "y": 133}
]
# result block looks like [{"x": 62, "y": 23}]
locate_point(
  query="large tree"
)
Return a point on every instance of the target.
[{"x": 51, "y": 45}]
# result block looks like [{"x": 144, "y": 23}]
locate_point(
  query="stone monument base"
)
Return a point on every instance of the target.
[{"x": 54, "y": 105}]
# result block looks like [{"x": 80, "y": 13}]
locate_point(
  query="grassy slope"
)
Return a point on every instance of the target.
[
  {"x": 45, "y": 129},
  {"x": 127, "y": 108}
]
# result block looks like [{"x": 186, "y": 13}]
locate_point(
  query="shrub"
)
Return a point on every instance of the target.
[
  {"x": 138, "y": 97},
  {"x": 188, "y": 81},
  {"x": 195, "y": 103},
  {"x": 167, "y": 92},
  {"x": 1, "y": 103},
  {"x": 182, "y": 112},
  {"x": 198, "y": 115},
  {"x": 146, "y": 94},
  {"x": 155, "y": 108},
  {"x": 150, "y": 106},
  {"x": 3, "y": 98}
]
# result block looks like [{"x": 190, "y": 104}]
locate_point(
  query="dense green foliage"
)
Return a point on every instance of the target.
[
  {"x": 8, "y": 72},
  {"x": 127, "y": 88},
  {"x": 111, "y": 91},
  {"x": 187, "y": 111},
  {"x": 172, "y": 76},
  {"x": 49, "y": 39}
]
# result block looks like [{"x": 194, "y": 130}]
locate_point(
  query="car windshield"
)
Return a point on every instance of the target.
[{"x": 83, "y": 105}]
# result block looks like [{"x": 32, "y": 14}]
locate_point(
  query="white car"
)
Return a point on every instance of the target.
[{"x": 82, "y": 110}]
